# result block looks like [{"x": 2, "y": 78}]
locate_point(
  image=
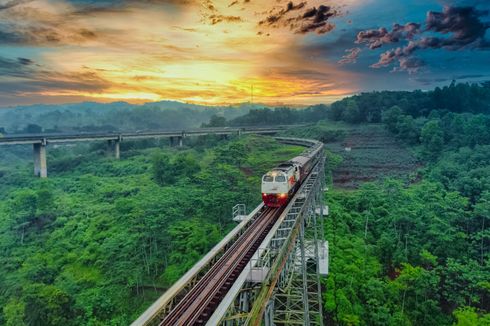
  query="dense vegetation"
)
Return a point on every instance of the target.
[
  {"x": 416, "y": 250},
  {"x": 100, "y": 239}
]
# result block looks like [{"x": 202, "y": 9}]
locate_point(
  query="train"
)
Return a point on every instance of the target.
[{"x": 281, "y": 183}]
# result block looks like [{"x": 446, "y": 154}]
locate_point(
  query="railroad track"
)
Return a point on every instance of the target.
[{"x": 198, "y": 305}]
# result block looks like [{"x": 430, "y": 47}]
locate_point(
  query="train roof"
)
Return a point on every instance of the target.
[
  {"x": 300, "y": 160},
  {"x": 284, "y": 166}
]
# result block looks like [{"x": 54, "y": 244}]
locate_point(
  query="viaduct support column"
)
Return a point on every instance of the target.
[
  {"x": 40, "y": 163},
  {"x": 115, "y": 147},
  {"x": 177, "y": 141}
]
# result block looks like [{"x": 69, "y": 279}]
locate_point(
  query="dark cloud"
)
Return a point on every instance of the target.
[
  {"x": 29, "y": 77},
  {"x": 25, "y": 61},
  {"x": 276, "y": 16},
  {"x": 315, "y": 19},
  {"x": 375, "y": 38},
  {"x": 455, "y": 28},
  {"x": 311, "y": 20},
  {"x": 13, "y": 3},
  {"x": 463, "y": 23},
  {"x": 49, "y": 34},
  {"x": 30, "y": 25},
  {"x": 15, "y": 67}
]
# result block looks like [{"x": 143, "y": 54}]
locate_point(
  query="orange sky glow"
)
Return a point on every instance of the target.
[{"x": 205, "y": 52}]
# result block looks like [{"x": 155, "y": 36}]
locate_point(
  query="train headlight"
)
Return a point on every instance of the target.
[{"x": 283, "y": 195}]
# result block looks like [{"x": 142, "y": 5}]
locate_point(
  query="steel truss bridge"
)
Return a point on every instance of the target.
[{"x": 266, "y": 271}]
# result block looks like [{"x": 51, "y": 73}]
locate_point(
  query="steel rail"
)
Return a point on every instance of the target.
[{"x": 191, "y": 310}]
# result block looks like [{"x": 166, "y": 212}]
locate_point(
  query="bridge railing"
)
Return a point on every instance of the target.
[
  {"x": 249, "y": 298},
  {"x": 175, "y": 293}
]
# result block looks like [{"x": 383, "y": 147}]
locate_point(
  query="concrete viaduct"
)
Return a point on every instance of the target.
[{"x": 176, "y": 137}]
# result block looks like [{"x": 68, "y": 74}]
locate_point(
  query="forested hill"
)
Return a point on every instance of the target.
[
  {"x": 90, "y": 116},
  {"x": 412, "y": 247},
  {"x": 369, "y": 107}
]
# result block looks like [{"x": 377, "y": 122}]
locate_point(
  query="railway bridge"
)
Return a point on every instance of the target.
[{"x": 266, "y": 271}]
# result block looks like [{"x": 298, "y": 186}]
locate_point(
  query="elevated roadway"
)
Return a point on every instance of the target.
[{"x": 39, "y": 142}]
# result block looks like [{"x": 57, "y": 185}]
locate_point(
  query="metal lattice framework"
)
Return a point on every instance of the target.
[{"x": 280, "y": 285}]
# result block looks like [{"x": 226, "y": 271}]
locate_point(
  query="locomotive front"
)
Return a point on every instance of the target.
[{"x": 279, "y": 184}]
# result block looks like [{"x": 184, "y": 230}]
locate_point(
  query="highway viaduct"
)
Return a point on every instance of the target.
[{"x": 40, "y": 142}]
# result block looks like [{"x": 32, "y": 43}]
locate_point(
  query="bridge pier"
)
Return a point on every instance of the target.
[
  {"x": 40, "y": 163},
  {"x": 115, "y": 147},
  {"x": 177, "y": 141}
]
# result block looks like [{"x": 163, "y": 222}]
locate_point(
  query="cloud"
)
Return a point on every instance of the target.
[
  {"x": 278, "y": 16},
  {"x": 453, "y": 29},
  {"x": 22, "y": 76},
  {"x": 30, "y": 25},
  {"x": 313, "y": 19},
  {"x": 351, "y": 56},
  {"x": 375, "y": 38},
  {"x": 215, "y": 19},
  {"x": 463, "y": 23},
  {"x": 211, "y": 15},
  {"x": 13, "y": 3},
  {"x": 15, "y": 67},
  {"x": 25, "y": 61}
]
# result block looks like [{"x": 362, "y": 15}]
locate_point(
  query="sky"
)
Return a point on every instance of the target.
[{"x": 218, "y": 52}]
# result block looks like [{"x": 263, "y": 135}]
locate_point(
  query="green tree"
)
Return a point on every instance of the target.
[
  {"x": 215, "y": 121},
  {"x": 14, "y": 312},
  {"x": 390, "y": 118},
  {"x": 47, "y": 305},
  {"x": 432, "y": 139},
  {"x": 23, "y": 207},
  {"x": 235, "y": 153},
  {"x": 351, "y": 112},
  {"x": 162, "y": 169},
  {"x": 467, "y": 316}
]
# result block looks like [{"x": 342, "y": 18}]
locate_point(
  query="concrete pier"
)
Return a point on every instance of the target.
[
  {"x": 40, "y": 163},
  {"x": 177, "y": 141},
  {"x": 115, "y": 147}
]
